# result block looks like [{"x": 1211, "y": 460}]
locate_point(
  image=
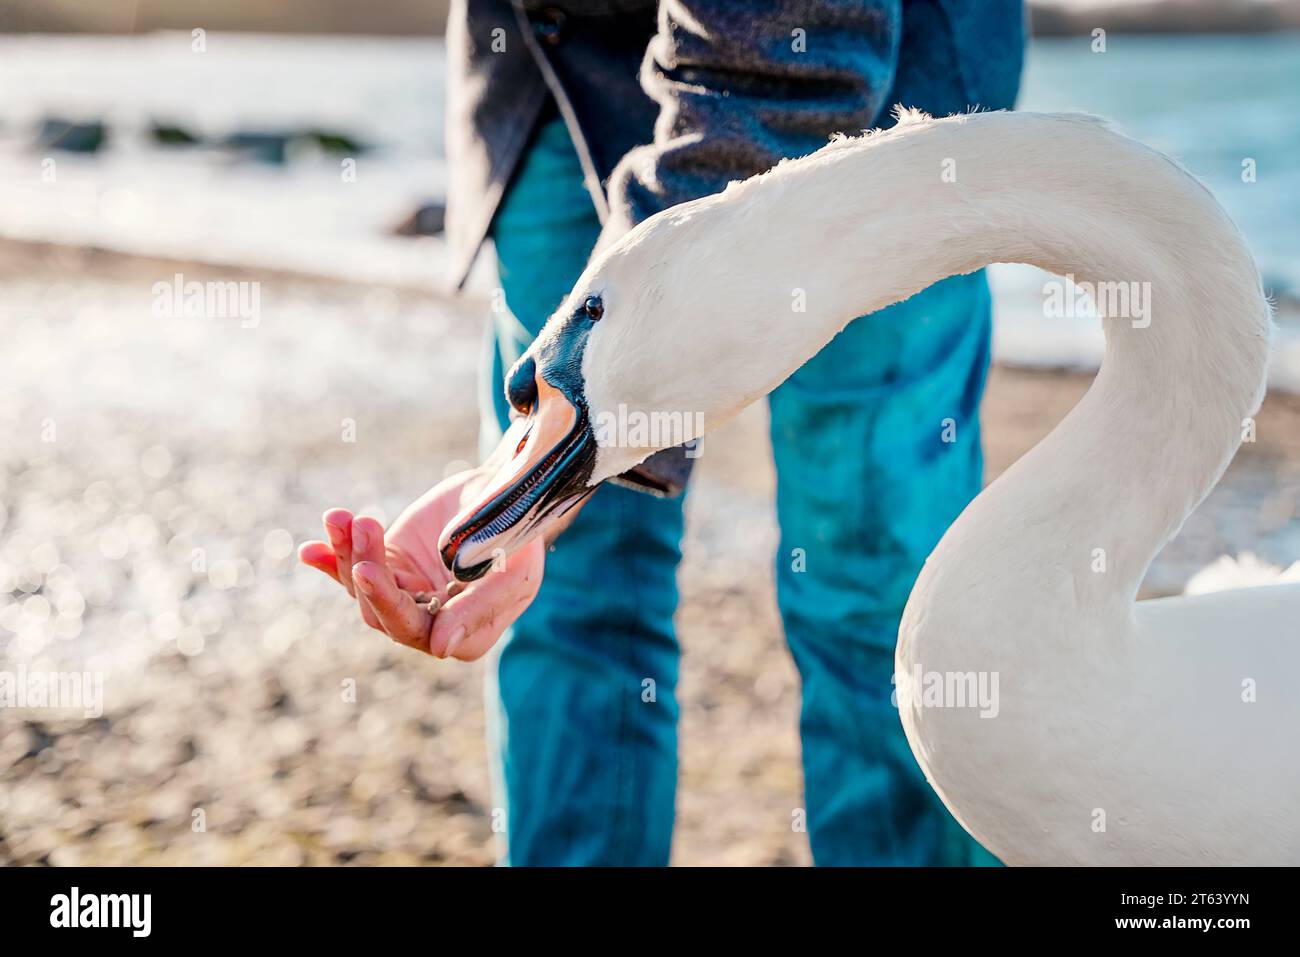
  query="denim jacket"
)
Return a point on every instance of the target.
[{"x": 667, "y": 102}]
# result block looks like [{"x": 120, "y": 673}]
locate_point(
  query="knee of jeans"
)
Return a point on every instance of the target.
[{"x": 842, "y": 619}]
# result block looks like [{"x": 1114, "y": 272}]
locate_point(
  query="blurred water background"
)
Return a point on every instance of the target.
[{"x": 1213, "y": 102}]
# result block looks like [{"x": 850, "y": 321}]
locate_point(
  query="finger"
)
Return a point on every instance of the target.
[
  {"x": 368, "y": 613},
  {"x": 338, "y": 526},
  {"x": 471, "y": 622},
  {"x": 319, "y": 555},
  {"x": 367, "y": 539},
  {"x": 405, "y": 621}
]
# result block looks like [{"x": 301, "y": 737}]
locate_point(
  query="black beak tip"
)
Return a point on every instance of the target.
[
  {"x": 458, "y": 571},
  {"x": 473, "y": 573}
]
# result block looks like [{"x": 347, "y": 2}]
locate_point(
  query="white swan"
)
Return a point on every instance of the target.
[{"x": 1155, "y": 732}]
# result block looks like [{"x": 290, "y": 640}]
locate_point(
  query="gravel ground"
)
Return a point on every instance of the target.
[{"x": 155, "y": 478}]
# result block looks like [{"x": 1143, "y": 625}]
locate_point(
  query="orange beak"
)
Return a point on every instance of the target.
[{"x": 547, "y": 459}]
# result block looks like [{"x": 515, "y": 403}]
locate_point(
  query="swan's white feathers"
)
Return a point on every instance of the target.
[
  {"x": 1246, "y": 570},
  {"x": 1123, "y": 735}
]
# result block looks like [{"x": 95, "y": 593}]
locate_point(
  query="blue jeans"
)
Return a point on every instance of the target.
[{"x": 867, "y": 483}]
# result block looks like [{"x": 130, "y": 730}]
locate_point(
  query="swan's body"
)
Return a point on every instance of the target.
[
  {"x": 1246, "y": 570},
  {"x": 1160, "y": 732}
]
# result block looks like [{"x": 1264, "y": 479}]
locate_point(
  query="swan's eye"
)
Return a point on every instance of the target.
[{"x": 593, "y": 308}]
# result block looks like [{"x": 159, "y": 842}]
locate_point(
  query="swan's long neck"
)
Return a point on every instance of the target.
[{"x": 872, "y": 223}]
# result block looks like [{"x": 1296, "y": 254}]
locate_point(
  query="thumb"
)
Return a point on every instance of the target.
[{"x": 472, "y": 622}]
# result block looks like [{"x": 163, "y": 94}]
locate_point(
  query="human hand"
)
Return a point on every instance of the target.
[{"x": 385, "y": 571}]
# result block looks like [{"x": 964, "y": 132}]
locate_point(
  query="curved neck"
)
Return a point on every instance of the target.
[{"x": 1089, "y": 507}]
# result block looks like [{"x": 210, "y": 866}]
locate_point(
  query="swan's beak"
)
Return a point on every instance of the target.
[{"x": 548, "y": 457}]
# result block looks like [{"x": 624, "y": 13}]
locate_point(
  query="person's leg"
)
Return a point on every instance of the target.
[
  {"x": 581, "y": 694},
  {"x": 877, "y": 450}
]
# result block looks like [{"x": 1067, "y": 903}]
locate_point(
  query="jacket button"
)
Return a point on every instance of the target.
[{"x": 549, "y": 25}]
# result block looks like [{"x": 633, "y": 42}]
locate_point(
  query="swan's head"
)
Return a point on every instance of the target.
[{"x": 647, "y": 352}]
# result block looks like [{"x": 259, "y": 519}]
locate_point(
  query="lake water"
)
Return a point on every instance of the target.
[{"x": 1212, "y": 102}]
